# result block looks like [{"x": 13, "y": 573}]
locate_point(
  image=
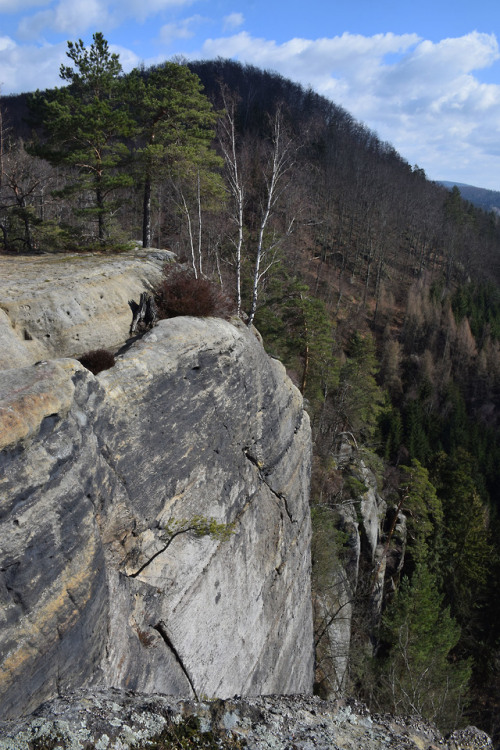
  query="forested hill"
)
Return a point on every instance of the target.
[
  {"x": 486, "y": 199},
  {"x": 377, "y": 288}
]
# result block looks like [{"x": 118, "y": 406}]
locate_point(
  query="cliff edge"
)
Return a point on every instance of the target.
[{"x": 105, "y": 484}]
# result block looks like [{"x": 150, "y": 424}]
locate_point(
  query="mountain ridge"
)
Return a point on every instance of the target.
[{"x": 484, "y": 198}]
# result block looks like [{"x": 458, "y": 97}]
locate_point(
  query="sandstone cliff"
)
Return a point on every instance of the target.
[
  {"x": 343, "y": 592},
  {"x": 193, "y": 420}
]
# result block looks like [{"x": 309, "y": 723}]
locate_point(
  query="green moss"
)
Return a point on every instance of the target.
[
  {"x": 187, "y": 734},
  {"x": 200, "y": 526}
]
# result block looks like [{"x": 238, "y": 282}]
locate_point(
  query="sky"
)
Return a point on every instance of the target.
[{"x": 423, "y": 74}]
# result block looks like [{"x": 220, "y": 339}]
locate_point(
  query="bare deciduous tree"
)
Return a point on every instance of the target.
[{"x": 279, "y": 164}]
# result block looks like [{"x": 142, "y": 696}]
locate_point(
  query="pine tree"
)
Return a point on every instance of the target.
[
  {"x": 86, "y": 124},
  {"x": 360, "y": 400},
  {"x": 467, "y": 552},
  {"x": 424, "y": 515},
  {"x": 176, "y": 128},
  {"x": 417, "y": 675}
]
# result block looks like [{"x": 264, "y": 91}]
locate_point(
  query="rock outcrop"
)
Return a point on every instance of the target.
[
  {"x": 65, "y": 305},
  {"x": 101, "y": 580},
  {"x": 114, "y": 720},
  {"x": 361, "y": 517}
]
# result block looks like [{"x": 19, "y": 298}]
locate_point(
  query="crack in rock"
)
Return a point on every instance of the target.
[
  {"x": 162, "y": 631},
  {"x": 279, "y": 495}
]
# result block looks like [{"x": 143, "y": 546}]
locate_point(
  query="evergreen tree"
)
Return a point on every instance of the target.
[
  {"x": 467, "y": 552},
  {"x": 417, "y": 675},
  {"x": 360, "y": 400},
  {"x": 424, "y": 515},
  {"x": 86, "y": 124},
  {"x": 176, "y": 128}
]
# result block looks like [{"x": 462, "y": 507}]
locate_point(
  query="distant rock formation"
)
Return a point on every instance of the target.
[
  {"x": 360, "y": 518},
  {"x": 120, "y": 720},
  {"x": 194, "y": 420}
]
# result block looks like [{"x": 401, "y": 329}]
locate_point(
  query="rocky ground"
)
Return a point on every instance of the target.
[
  {"x": 64, "y": 305},
  {"x": 115, "y": 720}
]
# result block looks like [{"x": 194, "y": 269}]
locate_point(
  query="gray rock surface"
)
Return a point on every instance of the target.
[
  {"x": 65, "y": 305},
  {"x": 114, "y": 720},
  {"x": 193, "y": 420},
  {"x": 359, "y": 515}
]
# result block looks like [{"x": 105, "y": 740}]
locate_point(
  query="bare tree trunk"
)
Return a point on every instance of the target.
[
  {"x": 227, "y": 139},
  {"x": 185, "y": 208},
  {"x": 146, "y": 213},
  {"x": 280, "y": 163},
  {"x": 198, "y": 196}
]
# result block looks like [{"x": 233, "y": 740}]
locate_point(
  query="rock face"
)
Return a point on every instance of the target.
[
  {"x": 119, "y": 720},
  {"x": 193, "y": 422},
  {"x": 361, "y": 515},
  {"x": 63, "y": 306}
]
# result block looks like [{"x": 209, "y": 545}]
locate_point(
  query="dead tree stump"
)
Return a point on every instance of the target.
[{"x": 144, "y": 315}]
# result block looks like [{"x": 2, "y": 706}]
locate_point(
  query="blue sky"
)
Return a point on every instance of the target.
[{"x": 425, "y": 75}]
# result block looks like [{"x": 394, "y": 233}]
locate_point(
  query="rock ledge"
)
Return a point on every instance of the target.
[{"x": 119, "y": 720}]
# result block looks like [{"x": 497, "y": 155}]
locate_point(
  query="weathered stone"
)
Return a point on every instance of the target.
[
  {"x": 193, "y": 420},
  {"x": 65, "y": 305},
  {"x": 115, "y": 720},
  {"x": 235, "y": 447},
  {"x": 360, "y": 515},
  {"x": 53, "y": 592}
]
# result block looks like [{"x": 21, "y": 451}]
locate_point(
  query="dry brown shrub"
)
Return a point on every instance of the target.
[{"x": 181, "y": 293}]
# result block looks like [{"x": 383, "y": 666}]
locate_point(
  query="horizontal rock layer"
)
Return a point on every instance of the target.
[{"x": 194, "y": 420}]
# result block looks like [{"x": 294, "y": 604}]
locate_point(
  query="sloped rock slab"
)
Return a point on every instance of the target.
[{"x": 194, "y": 420}]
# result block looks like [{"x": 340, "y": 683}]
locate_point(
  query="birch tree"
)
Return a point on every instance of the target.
[
  {"x": 234, "y": 180},
  {"x": 280, "y": 161},
  {"x": 255, "y": 193}
]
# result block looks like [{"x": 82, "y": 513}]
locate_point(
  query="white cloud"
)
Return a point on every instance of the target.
[
  {"x": 6, "y": 43},
  {"x": 17, "y": 64},
  {"x": 32, "y": 27},
  {"x": 184, "y": 29},
  {"x": 71, "y": 17},
  {"x": 233, "y": 21},
  {"x": 128, "y": 58},
  {"x": 423, "y": 97},
  {"x": 75, "y": 16}
]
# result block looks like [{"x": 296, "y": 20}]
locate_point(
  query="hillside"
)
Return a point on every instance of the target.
[
  {"x": 379, "y": 291},
  {"x": 488, "y": 200}
]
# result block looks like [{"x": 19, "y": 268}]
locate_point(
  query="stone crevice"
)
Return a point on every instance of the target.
[
  {"x": 162, "y": 631},
  {"x": 159, "y": 552},
  {"x": 278, "y": 495}
]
